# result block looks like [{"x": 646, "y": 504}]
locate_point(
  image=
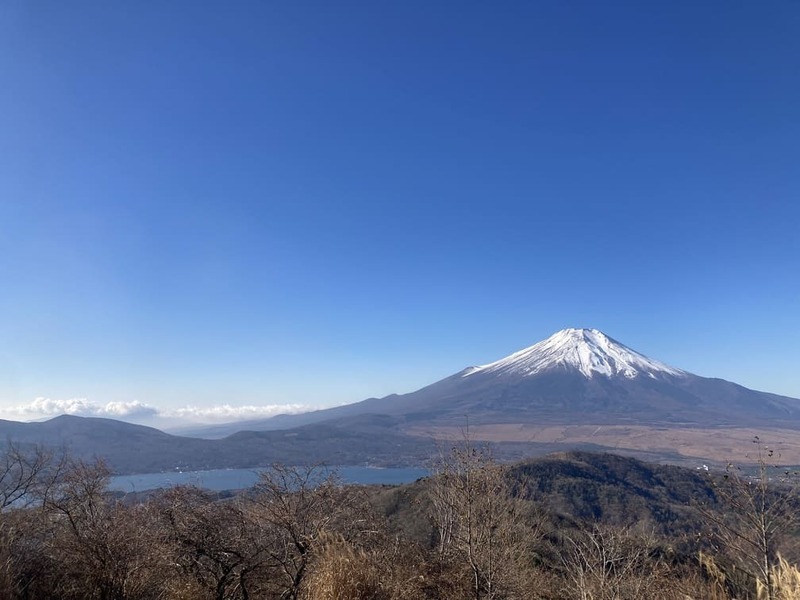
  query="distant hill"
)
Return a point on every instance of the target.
[
  {"x": 578, "y": 389},
  {"x": 576, "y": 488},
  {"x": 616, "y": 490},
  {"x": 137, "y": 449}
]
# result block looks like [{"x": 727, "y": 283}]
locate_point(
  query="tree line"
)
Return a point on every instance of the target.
[{"x": 471, "y": 530}]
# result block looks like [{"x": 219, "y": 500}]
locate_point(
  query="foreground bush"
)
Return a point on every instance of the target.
[{"x": 469, "y": 532}]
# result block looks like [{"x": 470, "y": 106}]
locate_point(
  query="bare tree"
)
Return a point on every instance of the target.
[
  {"x": 293, "y": 507},
  {"x": 24, "y": 474},
  {"x": 213, "y": 542},
  {"x": 112, "y": 550},
  {"x": 754, "y": 513},
  {"x": 477, "y": 520},
  {"x": 608, "y": 563}
]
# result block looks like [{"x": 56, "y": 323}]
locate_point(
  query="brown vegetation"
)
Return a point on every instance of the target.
[
  {"x": 685, "y": 444},
  {"x": 474, "y": 529}
]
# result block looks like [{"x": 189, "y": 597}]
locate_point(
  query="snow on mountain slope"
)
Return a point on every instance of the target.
[{"x": 588, "y": 351}]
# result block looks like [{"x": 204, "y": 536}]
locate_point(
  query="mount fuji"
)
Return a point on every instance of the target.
[
  {"x": 578, "y": 389},
  {"x": 587, "y": 351},
  {"x": 574, "y": 377}
]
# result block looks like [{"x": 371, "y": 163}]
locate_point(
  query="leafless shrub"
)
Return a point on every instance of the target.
[
  {"x": 101, "y": 548},
  {"x": 478, "y": 522},
  {"x": 603, "y": 563},
  {"x": 25, "y": 474},
  {"x": 754, "y": 514},
  {"x": 293, "y": 508},
  {"x": 214, "y": 544}
]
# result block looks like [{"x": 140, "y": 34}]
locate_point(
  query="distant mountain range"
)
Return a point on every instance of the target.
[
  {"x": 129, "y": 448},
  {"x": 577, "y": 389}
]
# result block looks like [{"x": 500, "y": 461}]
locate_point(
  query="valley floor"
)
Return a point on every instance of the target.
[{"x": 688, "y": 445}]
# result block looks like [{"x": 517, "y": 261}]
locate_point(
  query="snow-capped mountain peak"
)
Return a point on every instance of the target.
[{"x": 588, "y": 351}]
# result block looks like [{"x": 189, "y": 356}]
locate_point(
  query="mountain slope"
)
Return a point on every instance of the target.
[
  {"x": 581, "y": 487},
  {"x": 130, "y": 448},
  {"x": 587, "y": 351},
  {"x": 577, "y": 389},
  {"x": 577, "y": 376}
]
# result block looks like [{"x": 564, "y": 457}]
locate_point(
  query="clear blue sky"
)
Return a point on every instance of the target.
[{"x": 315, "y": 202}]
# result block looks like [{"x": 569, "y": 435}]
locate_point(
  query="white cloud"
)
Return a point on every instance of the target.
[
  {"x": 225, "y": 412},
  {"x": 42, "y": 408},
  {"x": 46, "y": 407},
  {"x": 129, "y": 409},
  {"x": 83, "y": 407}
]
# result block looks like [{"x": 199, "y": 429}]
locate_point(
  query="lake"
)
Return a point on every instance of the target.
[{"x": 236, "y": 479}]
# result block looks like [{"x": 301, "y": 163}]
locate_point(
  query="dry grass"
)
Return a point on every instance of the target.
[
  {"x": 720, "y": 445},
  {"x": 342, "y": 571},
  {"x": 786, "y": 578}
]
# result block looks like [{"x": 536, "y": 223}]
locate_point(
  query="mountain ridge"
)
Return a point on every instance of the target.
[
  {"x": 574, "y": 376},
  {"x": 577, "y": 389}
]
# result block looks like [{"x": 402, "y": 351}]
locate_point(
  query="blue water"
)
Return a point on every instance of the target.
[{"x": 236, "y": 479}]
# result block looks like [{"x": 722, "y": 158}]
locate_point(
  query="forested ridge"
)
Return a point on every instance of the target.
[{"x": 573, "y": 525}]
